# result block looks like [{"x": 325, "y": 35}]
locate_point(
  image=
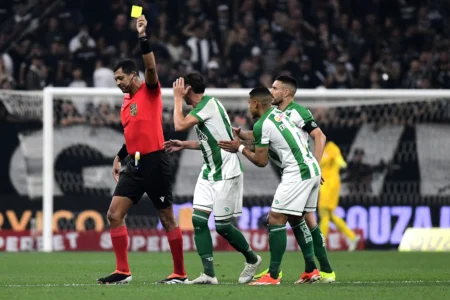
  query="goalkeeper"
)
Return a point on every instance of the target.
[{"x": 332, "y": 161}]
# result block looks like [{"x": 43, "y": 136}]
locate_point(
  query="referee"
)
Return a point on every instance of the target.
[{"x": 148, "y": 169}]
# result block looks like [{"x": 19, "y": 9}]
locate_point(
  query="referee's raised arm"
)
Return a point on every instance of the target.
[{"x": 151, "y": 75}]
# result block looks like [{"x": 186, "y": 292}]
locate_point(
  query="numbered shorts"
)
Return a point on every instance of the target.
[
  {"x": 223, "y": 198},
  {"x": 294, "y": 198},
  {"x": 329, "y": 196}
]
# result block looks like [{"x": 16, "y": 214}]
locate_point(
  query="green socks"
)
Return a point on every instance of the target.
[
  {"x": 236, "y": 239},
  {"x": 320, "y": 250},
  {"x": 305, "y": 241},
  {"x": 277, "y": 244},
  {"x": 203, "y": 241}
]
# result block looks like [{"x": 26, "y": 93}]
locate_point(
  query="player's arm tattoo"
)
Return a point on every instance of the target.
[{"x": 250, "y": 144}]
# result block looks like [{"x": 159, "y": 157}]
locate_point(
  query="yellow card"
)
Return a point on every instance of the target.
[{"x": 136, "y": 11}]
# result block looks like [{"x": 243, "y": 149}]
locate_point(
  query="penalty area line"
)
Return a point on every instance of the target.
[{"x": 398, "y": 282}]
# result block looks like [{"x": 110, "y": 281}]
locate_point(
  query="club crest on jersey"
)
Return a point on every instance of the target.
[
  {"x": 279, "y": 117},
  {"x": 133, "y": 109}
]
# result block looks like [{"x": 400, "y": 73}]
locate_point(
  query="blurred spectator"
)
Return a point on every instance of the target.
[
  {"x": 309, "y": 79},
  {"x": 248, "y": 75},
  {"x": 84, "y": 57},
  {"x": 213, "y": 77},
  {"x": 37, "y": 73},
  {"x": 83, "y": 36},
  {"x": 270, "y": 52},
  {"x": 341, "y": 79},
  {"x": 175, "y": 48},
  {"x": 103, "y": 76},
  {"x": 6, "y": 81},
  {"x": 21, "y": 11},
  {"x": 240, "y": 50},
  {"x": 78, "y": 81},
  {"x": 203, "y": 47},
  {"x": 8, "y": 64},
  {"x": 69, "y": 115}
]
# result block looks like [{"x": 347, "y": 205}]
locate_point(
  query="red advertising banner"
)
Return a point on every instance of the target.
[{"x": 147, "y": 241}]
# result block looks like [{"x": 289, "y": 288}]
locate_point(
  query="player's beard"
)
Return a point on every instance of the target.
[{"x": 277, "y": 102}]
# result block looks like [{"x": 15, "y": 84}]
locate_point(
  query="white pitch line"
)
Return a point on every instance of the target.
[{"x": 224, "y": 283}]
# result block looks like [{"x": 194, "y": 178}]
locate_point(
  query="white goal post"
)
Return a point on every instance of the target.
[{"x": 234, "y": 98}]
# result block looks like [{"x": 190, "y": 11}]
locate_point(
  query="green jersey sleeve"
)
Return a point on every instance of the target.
[
  {"x": 300, "y": 116},
  {"x": 261, "y": 134},
  {"x": 203, "y": 111}
]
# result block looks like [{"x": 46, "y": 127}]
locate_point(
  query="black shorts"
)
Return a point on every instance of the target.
[{"x": 152, "y": 176}]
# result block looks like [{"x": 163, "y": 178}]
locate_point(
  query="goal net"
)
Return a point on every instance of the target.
[{"x": 396, "y": 144}]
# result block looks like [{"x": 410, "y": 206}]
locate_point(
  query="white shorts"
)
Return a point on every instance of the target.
[
  {"x": 223, "y": 198},
  {"x": 294, "y": 198}
]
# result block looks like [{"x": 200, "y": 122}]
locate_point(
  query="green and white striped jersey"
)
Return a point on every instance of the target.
[
  {"x": 288, "y": 148},
  {"x": 299, "y": 115},
  {"x": 214, "y": 126}
]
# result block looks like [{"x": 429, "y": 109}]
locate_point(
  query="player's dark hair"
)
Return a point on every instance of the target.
[
  {"x": 196, "y": 81},
  {"x": 262, "y": 94},
  {"x": 286, "y": 79},
  {"x": 128, "y": 66}
]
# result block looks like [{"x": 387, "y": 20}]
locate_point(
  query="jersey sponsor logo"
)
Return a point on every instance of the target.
[
  {"x": 227, "y": 209},
  {"x": 133, "y": 109},
  {"x": 202, "y": 136},
  {"x": 279, "y": 117},
  {"x": 282, "y": 127}
]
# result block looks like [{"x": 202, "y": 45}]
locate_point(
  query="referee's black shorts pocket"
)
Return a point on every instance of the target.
[
  {"x": 131, "y": 186},
  {"x": 158, "y": 183}
]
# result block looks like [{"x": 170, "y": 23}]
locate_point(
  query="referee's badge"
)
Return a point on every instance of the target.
[{"x": 133, "y": 109}]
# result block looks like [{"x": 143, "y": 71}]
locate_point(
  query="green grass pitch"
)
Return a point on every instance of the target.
[{"x": 360, "y": 275}]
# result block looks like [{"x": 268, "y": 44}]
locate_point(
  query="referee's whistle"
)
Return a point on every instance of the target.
[{"x": 137, "y": 156}]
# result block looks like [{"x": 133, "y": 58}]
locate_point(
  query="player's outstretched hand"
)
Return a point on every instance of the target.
[
  {"x": 179, "y": 91},
  {"x": 173, "y": 146},
  {"x": 116, "y": 169},
  {"x": 231, "y": 146},
  {"x": 141, "y": 25}
]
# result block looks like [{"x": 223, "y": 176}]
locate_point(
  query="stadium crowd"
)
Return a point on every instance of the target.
[{"x": 323, "y": 43}]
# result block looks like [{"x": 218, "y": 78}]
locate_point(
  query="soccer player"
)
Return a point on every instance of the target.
[
  {"x": 332, "y": 161},
  {"x": 219, "y": 187},
  {"x": 148, "y": 169},
  {"x": 278, "y": 138},
  {"x": 283, "y": 91}
]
